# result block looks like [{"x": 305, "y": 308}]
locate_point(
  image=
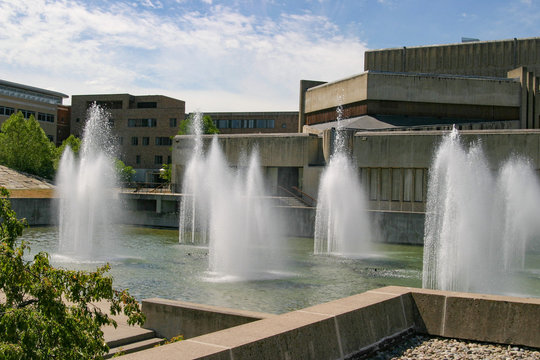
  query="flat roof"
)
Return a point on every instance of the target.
[{"x": 32, "y": 88}]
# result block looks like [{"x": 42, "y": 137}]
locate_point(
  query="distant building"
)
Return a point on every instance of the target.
[
  {"x": 144, "y": 126},
  {"x": 255, "y": 122},
  {"x": 476, "y": 85},
  {"x": 43, "y": 104}
]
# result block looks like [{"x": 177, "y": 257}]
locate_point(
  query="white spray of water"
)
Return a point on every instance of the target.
[
  {"x": 226, "y": 209},
  {"x": 342, "y": 225},
  {"x": 478, "y": 223},
  {"x": 84, "y": 187}
]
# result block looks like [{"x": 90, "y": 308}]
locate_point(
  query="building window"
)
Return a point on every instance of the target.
[
  {"x": 158, "y": 160},
  {"x": 51, "y": 138},
  {"x": 134, "y": 140},
  {"x": 419, "y": 185},
  {"x": 373, "y": 184},
  {"x": 142, "y": 122},
  {"x": 169, "y": 159},
  {"x": 145, "y": 140},
  {"x": 163, "y": 140},
  {"x": 147, "y": 105},
  {"x": 117, "y": 104},
  {"x": 172, "y": 122},
  {"x": 121, "y": 140},
  {"x": 137, "y": 159},
  {"x": 7, "y": 111},
  {"x": 27, "y": 113},
  {"x": 408, "y": 185}
]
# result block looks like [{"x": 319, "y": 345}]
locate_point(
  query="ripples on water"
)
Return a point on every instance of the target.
[{"x": 151, "y": 263}]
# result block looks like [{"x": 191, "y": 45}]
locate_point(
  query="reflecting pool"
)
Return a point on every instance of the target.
[{"x": 151, "y": 263}]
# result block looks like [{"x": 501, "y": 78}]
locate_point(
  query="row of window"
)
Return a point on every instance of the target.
[
  {"x": 4, "y": 110},
  {"x": 245, "y": 124},
  {"x": 395, "y": 184},
  {"x": 158, "y": 140},
  {"x": 30, "y": 95},
  {"x": 142, "y": 122},
  {"x": 45, "y": 117},
  {"x": 158, "y": 159}
]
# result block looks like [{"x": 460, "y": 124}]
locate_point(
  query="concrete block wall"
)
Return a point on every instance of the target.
[{"x": 359, "y": 323}]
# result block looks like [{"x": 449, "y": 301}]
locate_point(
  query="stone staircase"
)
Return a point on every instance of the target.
[
  {"x": 143, "y": 339},
  {"x": 290, "y": 201}
]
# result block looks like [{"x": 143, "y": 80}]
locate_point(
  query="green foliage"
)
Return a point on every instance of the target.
[
  {"x": 73, "y": 142},
  {"x": 165, "y": 172},
  {"x": 25, "y": 147},
  {"x": 208, "y": 125},
  {"x": 47, "y": 313},
  {"x": 123, "y": 172}
]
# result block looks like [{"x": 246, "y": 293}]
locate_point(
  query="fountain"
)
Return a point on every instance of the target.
[
  {"x": 478, "y": 223},
  {"x": 84, "y": 186},
  {"x": 342, "y": 224},
  {"x": 227, "y": 211}
]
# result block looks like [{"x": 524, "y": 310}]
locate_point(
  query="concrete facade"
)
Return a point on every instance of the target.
[
  {"x": 416, "y": 100},
  {"x": 144, "y": 126},
  {"x": 360, "y": 323},
  {"x": 481, "y": 58},
  {"x": 41, "y": 103}
]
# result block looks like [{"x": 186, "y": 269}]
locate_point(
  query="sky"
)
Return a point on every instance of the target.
[{"x": 238, "y": 55}]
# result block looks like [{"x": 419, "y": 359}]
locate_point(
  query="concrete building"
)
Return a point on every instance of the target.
[
  {"x": 144, "y": 126},
  {"x": 44, "y": 105},
  {"x": 255, "y": 122},
  {"x": 477, "y": 85}
]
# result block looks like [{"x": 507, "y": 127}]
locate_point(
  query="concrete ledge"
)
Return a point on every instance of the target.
[
  {"x": 356, "y": 324},
  {"x": 169, "y": 318}
]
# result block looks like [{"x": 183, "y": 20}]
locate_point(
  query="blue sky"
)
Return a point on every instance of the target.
[{"x": 239, "y": 55}]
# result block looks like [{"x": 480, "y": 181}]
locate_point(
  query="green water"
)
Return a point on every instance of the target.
[{"x": 151, "y": 263}]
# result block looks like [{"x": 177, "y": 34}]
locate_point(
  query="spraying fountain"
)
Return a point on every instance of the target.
[
  {"x": 478, "y": 222},
  {"x": 226, "y": 210},
  {"x": 84, "y": 186},
  {"x": 342, "y": 224}
]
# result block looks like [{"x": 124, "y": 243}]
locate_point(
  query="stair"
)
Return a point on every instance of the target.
[
  {"x": 143, "y": 340},
  {"x": 291, "y": 201}
]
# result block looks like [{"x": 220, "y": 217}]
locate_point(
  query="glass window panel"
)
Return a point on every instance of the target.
[
  {"x": 419, "y": 185},
  {"x": 396, "y": 184},
  {"x": 373, "y": 183},
  {"x": 407, "y": 184},
  {"x": 385, "y": 184}
]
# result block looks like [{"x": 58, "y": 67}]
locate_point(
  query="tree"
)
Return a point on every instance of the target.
[
  {"x": 73, "y": 142},
  {"x": 25, "y": 147},
  {"x": 165, "y": 172},
  {"x": 47, "y": 313},
  {"x": 124, "y": 173},
  {"x": 208, "y": 125}
]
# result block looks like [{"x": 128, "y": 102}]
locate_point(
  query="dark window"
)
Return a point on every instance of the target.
[
  {"x": 158, "y": 160},
  {"x": 172, "y": 122},
  {"x": 134, "y": 140},
  {"x": 142, "y": 122},
  {"x": 45, "y": 117},
  {"x": 146, "y": 140},
  {"x": 106, "y": 104},
  {"x": 147, "y": 105},
  {"x": 137, "y": 159},
  {"x": 51, "y": 138},
  {"x": 222, "y": 124},
  {"x": 4, "y": 110},
  {"x": 169, "y": 160},
  {"x": 163, "y": 140},
  {"x": 236, "y": 124},
  {"x": 27, "y": 113}
]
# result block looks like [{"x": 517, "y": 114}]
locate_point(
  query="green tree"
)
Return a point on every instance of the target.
[
  {"x": 124, "y": 173},
  {"x": 208, "y": 125},
  {"x": 25, "y": 147},
  {"x": 73, "y": 142},
  {"x": 47, "y": 313},
  {"x": 165, "y": 172}
]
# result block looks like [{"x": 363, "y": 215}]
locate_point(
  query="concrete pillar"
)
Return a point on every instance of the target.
[
  {"x": 304, "y": 86},
  {"x": 530, "y": 100}
]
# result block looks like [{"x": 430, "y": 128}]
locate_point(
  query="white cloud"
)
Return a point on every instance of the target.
[{"x": 218, "y": 61}]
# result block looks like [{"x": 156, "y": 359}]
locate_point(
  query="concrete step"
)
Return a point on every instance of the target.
[
  {"x": 129, "y": 335},
  {"x": 134, "y": 347}
]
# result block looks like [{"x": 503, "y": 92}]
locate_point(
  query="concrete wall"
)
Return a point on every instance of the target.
[
  {"x": 485, "y": 58},
  {"x": 169, "y": 318},
  {"x": 358, "y": 324},
  {"x": 38, "y": 212}
]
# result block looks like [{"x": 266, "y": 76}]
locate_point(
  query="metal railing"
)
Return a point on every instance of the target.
[{"x": 299, "y": 195}]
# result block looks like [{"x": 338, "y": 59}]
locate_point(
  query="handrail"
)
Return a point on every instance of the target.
[
  {"x": 313, "y": 200},
  {"x": 299, "y": 198}
]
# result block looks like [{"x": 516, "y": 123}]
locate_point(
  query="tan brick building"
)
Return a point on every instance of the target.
[
  {"x": 43, "y": 104},
  {"x": 255, "y": 122},
  {"x": 144, "y": 126}
]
